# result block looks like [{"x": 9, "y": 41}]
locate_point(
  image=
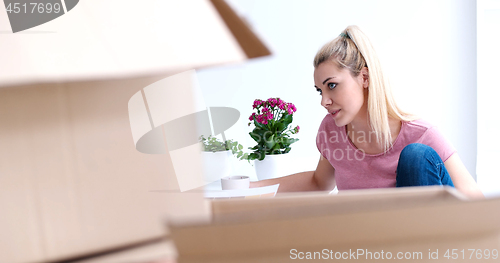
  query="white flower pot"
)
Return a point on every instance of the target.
[
  {"x": 216, "y": 165},
  {"x": 273, "y": 166}
]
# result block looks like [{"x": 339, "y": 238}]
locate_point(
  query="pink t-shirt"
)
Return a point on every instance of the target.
[{"x": 356, "y": 170}]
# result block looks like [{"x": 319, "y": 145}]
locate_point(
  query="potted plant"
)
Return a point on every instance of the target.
[
  {"x": 272, "y": 119},
  {"x": 216, "y": 157}
]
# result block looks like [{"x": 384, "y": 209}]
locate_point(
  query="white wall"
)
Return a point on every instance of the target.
[
  {"x": 488, "y": 121},
  {"x": 428, "y": 49}
]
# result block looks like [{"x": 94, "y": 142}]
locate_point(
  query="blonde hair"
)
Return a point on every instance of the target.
[{"x": 353, "y": 50}]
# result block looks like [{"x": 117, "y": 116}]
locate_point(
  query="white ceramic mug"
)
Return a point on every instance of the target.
[{"x": 235, "y": 182}]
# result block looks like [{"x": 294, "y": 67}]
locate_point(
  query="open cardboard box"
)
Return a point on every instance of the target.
[
  {"x": 426, "y": 222},
  {"x": 72, "y": 183},
  {"x": 416, "y": 224}
]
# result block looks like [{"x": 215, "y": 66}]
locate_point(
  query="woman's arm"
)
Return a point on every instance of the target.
[
  {"x": 323, "y": 179},
  {"x": 461, "y": 178}
]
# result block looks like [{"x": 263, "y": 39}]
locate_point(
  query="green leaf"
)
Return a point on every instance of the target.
[
  {"x": 276, "y": 147},
  {"x": 280, "y": 127},
  {"x": 270, "y": 142},
  {"x": 262, "y": 126},
  {"x": 253, "y": 156},
  {"x": 259, "y": 131},
  {"x": 287, "y": 120},
  {"x": 256, "y": 137},
  {"x": 262, "y": 156}
]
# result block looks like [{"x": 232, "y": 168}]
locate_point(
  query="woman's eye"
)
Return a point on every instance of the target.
[
  {"x": 318, "y": 90},
  {"x": 332, "y": 85}
]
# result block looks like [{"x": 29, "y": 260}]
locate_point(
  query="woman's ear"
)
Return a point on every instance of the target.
[{"x": 365, "y": 76}]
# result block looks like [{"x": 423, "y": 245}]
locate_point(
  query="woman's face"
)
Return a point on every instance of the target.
[{"x": 342, "y": 95}]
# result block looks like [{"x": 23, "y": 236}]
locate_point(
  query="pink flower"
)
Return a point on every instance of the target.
[
  {"x": 281, "y": 104},
  {"x": 259, "y": 118},
  {"x": 256, "y": 103},
  {"x": 297, "y": 129},
  {"x": 262, "y": 119},
  {"x": 266, "y": 110},
  {"x": 272, "y": 102}
]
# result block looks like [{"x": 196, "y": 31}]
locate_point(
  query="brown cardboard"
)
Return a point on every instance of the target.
[
  {"x": 389, "y": 219},
  {"x": 159, "y": 252},
  {"x": 306, "y": 203},
  {"x": 113, "y": 39},
  {"x": 75, "y": 182},
  {"x": 71, "y": 181}
]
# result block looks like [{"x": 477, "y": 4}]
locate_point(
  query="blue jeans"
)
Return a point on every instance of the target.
[{"x": 420, "y": 165}]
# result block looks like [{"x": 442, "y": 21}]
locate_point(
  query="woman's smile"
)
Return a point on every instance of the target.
[{"x": 334, "y": 113}]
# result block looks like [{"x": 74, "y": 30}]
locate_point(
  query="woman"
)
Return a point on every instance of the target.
[{"x": 365, "y": 140}]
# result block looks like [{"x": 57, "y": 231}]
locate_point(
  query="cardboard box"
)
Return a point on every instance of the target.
[
  {"x": 162, "y": 251},
  {"x": 72, "y": 183},
  {"x": 426, "y": 222}
]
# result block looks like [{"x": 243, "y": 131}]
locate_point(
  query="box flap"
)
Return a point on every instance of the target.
[
  {"x": 384, "y": 222},
  {"x": 247, "y": 39}
]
